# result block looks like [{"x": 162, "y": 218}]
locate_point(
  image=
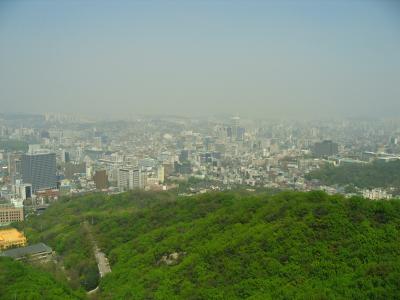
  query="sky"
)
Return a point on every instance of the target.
[{"x": 263, "y": 59}]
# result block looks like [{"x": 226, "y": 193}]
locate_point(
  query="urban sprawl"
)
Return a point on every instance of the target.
[{"x": 45, "y": 157}]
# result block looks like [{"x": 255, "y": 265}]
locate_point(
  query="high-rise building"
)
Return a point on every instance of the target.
[
  {"x": 101, "y": 179},
  {"x": 235, "y": 121},
  {"x": 184, "y": 155},
  {"x": 325, "y": 148},
  {"x": 168, "y": 169},
  {"x": 235, "y": 132},
  {"x": 160, "y": 174},
  {"x": 22, "y": 190},
  {"x": 39, "y": 169},
  {"x": 74, "y": 168},
  {"x": 123, "y": 179},
  {"x": 130, "y": 179},
  {"x": 67, "y": 157},
  {"x": 183, "y": 168},
  {"x": 14, "y": 167},
  {"x": 64, "y": 156},
  {"x": 240, "y": 133},
  {"x": 139, "y": 179}
]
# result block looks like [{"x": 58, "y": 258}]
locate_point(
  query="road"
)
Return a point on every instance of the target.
[{"x": 102, "y": 261}]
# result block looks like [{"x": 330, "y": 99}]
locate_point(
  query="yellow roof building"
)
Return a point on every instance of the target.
[{"x": 11, "y": 238}]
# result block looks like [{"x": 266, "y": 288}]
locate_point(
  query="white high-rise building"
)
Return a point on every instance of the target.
[
  {"x": 130, "y": 179},
  {"x": 160, "y": 174},
  {"x": 123, "y": 179},
  {"x": 139, "y": 179},
  {"x": 22, "y": 190}
]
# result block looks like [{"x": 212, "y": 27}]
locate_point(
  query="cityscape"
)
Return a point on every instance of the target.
[
  {"x": 195, "y": 150},
  {"x": 72, "y": 156}
]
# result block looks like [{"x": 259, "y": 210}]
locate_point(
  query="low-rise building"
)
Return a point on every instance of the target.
[
  {"x": 11, "y": 238},
  {"x": 376, "y": 194},
  {"x": 10, "y": 213},
  {"x": 36, "y": 252}
]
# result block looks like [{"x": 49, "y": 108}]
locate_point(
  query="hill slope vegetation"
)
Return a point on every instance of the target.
[
  {"x": 21, "y": 281},
  {"x": 231, "y": 245}
]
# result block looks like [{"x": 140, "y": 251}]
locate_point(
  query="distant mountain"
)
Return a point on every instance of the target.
[
  {"x": 21, "y": 116},
  {"x": 228, "y": 245},
  {"x": 23, "y": 120}
]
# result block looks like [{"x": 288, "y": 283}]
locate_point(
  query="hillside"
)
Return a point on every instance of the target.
[
  {"x": 230, "y": 245},
  {"x": 20, "y": 281},
  {"x": 374, "y": 175}
]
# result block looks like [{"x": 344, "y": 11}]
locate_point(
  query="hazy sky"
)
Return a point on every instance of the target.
[{"x": 251, "y": 58}]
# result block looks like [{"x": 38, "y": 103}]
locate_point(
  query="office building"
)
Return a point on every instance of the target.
[
  {"x": 22, "y": 190},
  {"x": 183, "y": 168},
  {"x": 14, "y": 167},
  {"x": 235, "y": 123},
  {"x": 130, "y": 179},
  {"x": 160, "y": 174},
  {"x": 39, "y": 169},
  {"x": 72, "y": 169},
  {"x": 325, "y": 148},
  {"x": 184, "y": 156},
  {"x": 64, "y": 156},
  {"x": 139, "y": 179},
  {"x": 240, "y": 133},
  {"x": 168, "y": 169},
  {"x": 101, "y": 179},
  {"x": 123, "y": 179}
]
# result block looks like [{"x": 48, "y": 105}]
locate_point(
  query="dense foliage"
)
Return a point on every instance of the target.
[
  {"x": 235, "y": 245},
  {"x": 21, "y": 281},
  {"x": 62, "y": 229},
  {"x": 377, "y": 174}
]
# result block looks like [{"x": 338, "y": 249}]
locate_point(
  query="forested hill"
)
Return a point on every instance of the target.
[
  {"x": 231, "y": 245},
  {"x": 20, "y": 281},
  {"x": 373, "y": 175}
]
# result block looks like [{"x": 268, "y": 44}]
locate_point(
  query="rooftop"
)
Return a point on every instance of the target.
[
  {"x": 10, "y": 235},
  {"x": 28, "y": 250}
]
